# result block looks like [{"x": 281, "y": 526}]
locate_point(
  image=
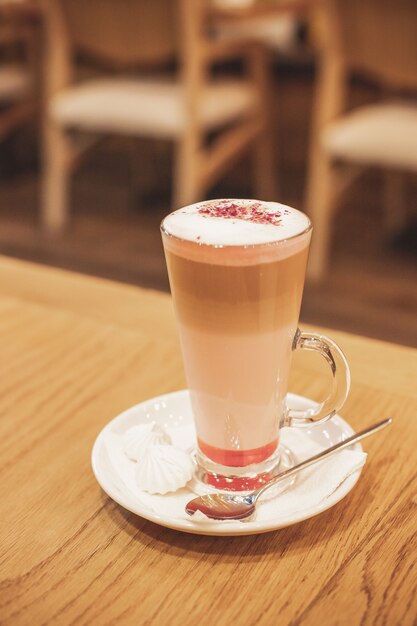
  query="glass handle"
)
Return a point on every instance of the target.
[{"x": 340, "y": 383}]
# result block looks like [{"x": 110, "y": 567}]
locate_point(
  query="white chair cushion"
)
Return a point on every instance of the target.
[
  {"x": 278, "y": 33},
  {"x": 232, "y": 4},
  {"x": 15, "y": 83},
  {"x": 382, "y": 134},
  {"x": 147, "y": 107}
]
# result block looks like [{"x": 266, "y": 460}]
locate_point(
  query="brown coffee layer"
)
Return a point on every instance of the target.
[{"x": 237, "y": 299}]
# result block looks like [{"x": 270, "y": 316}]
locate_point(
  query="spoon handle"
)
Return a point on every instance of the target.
[{"x": 328, "y": 452}]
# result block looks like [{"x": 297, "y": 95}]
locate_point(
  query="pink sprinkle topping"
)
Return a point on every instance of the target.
[{"x": 252, "y": 212}]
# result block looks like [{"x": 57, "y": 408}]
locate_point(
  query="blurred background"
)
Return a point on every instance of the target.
[{"x": 115, "y": 112}]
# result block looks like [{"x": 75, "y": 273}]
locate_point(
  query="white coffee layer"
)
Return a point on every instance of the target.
[{"x": 214, "y": 222}]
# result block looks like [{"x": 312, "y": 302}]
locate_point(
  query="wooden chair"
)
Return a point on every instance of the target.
[
  {"x": 136, "y": 40},
  {"x": 376, "y": 38},
  {"x": 18, "y": 93}
]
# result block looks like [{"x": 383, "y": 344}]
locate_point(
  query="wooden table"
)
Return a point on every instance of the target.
[{"x": 75, "y": 352}]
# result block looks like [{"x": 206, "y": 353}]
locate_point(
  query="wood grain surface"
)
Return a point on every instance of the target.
[{"x": 76, "y": 351}]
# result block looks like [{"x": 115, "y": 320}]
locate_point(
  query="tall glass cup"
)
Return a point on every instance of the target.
[{"x": 237, "y": 308}]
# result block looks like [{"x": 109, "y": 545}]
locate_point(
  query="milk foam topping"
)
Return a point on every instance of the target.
[{"x": 235, "y": 222}]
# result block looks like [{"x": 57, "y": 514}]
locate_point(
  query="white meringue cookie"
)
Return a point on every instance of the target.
[
  {"x": 163, "y": 469},
  {"x": 139, "y": 438}
]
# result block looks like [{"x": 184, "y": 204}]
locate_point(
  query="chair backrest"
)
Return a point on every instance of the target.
[
  {"x": 379, "y": 37},
  {"x": 123, "y": 32}
]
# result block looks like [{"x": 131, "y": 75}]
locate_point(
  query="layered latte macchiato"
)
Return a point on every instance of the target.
[{"x": 236, "y": 270}]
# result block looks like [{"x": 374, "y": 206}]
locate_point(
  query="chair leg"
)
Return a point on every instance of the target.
[
  {"x": 187, "y": 188},
  {"x": 136, "y": 168},
  {"x": 395, "y": 207},
  {"x": 265, "y": 173},
  {"x": 55, "y": 180},
  {"x": 321, "y": 198}
]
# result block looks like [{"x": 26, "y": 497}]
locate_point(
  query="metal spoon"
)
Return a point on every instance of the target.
[{"x": 225, "y": 506}]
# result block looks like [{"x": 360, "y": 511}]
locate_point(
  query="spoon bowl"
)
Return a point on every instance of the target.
[{"x": 223, "y": 506}]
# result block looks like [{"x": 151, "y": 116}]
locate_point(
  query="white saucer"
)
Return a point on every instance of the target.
[{"x": 173, "y": 413}]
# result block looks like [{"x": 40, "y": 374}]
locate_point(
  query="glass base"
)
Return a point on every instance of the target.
[{"x": 211, "y": 477}]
